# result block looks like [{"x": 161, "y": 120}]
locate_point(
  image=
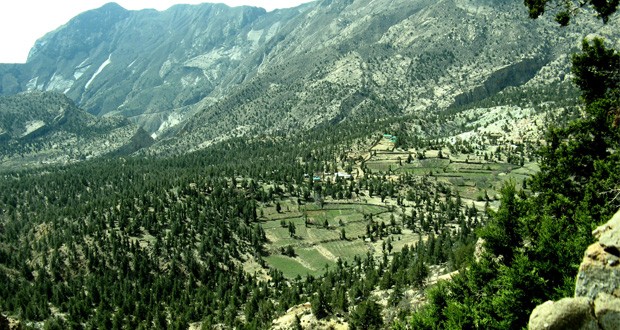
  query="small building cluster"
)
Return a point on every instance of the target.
[
  {"x": 390, "y": 137},
  {"x": 318, "y": 178},
  {"x": 342, "y": 175}
]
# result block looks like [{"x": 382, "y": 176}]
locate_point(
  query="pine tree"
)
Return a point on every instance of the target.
[
  {"x": 367, "y": 315},
  {"x": 291, "y": 229},
  {"x": 320, "y": 306}
]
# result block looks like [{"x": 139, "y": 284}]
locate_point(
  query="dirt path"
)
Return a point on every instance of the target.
[
  {"x": 305, "y": 264},
  {"x": 326, "y": 253}
]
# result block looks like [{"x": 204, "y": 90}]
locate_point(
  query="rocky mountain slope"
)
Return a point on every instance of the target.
[
  {"x": 47, "y": 128},
  {"x": 194, "y": 75},
  {"x": 137, "y": 64}
]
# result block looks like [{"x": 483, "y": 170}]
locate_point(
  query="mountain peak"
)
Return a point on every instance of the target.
[{"x": 111, "y": 6}]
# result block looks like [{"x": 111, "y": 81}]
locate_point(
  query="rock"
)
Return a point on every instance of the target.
[
  {"x": 7, "y": 323},
  {"x": 479, "y": 250},
  {"x": 567, "y": 313},
  {"x": 609, "y": 238},
  {"x": 596, "y": 304},
  {"x": 612, "y": 224},
  {"x": 599, "y": 272},
  {"x": 607, "y": 311},
  {"x": 600, "y": 268}
]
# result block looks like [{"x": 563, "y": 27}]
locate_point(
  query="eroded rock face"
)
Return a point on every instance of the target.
[
  {"x": 596, "y": 304},
  {"x": 600, "y": 269}
]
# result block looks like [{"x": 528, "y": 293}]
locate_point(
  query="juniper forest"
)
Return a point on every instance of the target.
[{"x": 372, "y": 179}]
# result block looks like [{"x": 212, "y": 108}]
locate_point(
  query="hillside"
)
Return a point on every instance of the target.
[
  {"x": 40, "y": 128},
  {"x": 194, "y": 75}
]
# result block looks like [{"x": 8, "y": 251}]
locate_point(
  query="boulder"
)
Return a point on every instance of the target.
[
  {"x": 567, "y": 313},
  {"x": 600, "y": 269},
  {"x": 607, "y": 311}
]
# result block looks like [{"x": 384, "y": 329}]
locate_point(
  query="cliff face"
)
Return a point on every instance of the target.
[{"x": 596, "y": 304}]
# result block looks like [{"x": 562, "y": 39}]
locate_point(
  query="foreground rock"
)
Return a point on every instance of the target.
[
  {"x": 567, "y": 313},
  {"x": 303, "y": 314},
  {"x": 596, "y": 304}
]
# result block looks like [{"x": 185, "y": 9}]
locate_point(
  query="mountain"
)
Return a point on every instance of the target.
[
  {"x": 194, "y": 75},
  {"x": 47, "y": 128},
  {"x": 137, "y": 64}
]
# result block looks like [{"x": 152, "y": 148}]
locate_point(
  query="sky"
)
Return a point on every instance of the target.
[{"x": 22, "y": 22}]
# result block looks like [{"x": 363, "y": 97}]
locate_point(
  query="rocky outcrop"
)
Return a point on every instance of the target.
[
  {"x": 567, "y": 313},
  {"x": 7, "y": 323},
  {"x": 596, "y": 304},
  {"x": 512, "y": 75},
  {"x": 600, "y": 268}
]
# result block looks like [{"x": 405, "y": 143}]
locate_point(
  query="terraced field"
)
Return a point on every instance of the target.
[
  {"x": 318, "y": 240},
  {"x": 472, "y": 177},
  {"x": 316, "y": 246}
]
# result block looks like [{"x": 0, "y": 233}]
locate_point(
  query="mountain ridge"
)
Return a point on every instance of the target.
[{"x": 195, "y": 74}]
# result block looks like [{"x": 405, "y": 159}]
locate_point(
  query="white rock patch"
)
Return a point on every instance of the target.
[
  {"x": 32, "y": 126},
  {"x": 101, "y": 67}
]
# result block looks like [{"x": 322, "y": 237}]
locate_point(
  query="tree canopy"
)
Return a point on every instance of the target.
[
  {"x": 565, "y": 9},
  {"x": 534, "y": 244}
]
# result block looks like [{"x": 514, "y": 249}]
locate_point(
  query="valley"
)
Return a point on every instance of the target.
[
  {"x": 340, "y": 224},
  {"x": 349, "y": 164},
  {"x": 354, "y": 196},
  {"x": 279, "y": 210}
]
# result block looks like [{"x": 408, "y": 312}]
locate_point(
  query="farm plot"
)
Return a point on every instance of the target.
[
  {"x": 346, "y": 249},
  {"x": 290, "y": 267},
  {"x": 381, "y": 165},
  {"x": 425, "y": 166},
  {"x": 316, "y": 244},
  {"x": 407, "y": 237}
]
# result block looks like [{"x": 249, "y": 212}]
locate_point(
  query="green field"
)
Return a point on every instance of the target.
[
  {"x": 347, "y": 249},
  {"x": 289, "y": 266},
  {"x": 316, "y": 246}
]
